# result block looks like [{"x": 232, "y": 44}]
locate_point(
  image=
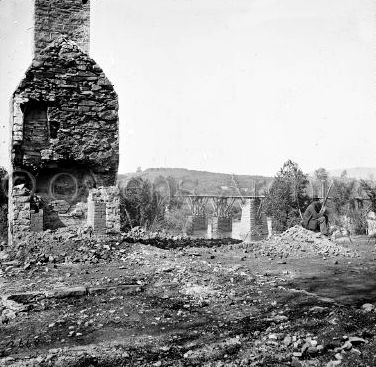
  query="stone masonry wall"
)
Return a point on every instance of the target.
[
  {"x": 82, "y": 117},
  {"x": 24, "y": 219},
  {"x": 96, "y": 217},
  {"x": 54, "y": 18},
  {"x": 104, "y": 209}
]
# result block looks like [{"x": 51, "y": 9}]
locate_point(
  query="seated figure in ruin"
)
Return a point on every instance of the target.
[{"x": 315, "y": 218}]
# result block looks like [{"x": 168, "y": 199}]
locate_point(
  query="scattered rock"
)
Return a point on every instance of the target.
[{"x": 368, "y": 307}]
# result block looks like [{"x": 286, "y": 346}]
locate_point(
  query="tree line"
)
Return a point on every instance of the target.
[{"x": 291, "y": 192}]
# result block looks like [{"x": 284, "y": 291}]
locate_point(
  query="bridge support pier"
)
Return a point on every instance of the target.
[
  {"x": 253, "y": 225},
  {"x": 195, "y": 223},
  {"x": 221, "y": 227},
  {"x": 197, "y": 220}
]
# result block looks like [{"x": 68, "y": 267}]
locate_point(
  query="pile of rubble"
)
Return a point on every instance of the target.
[
  {"x": 69, "y": 245},
  {"x": 77, "y": 244},
  {"x": 298, "y": 241}
]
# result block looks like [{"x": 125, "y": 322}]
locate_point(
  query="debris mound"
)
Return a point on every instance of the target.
[
  {"x": 298, "y": 241},
  {"x": 76, "y": 244},
  {"x": 299, "y": 233}
]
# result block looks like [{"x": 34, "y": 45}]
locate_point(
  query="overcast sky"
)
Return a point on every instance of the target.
[{"x": 225, "y": 85}]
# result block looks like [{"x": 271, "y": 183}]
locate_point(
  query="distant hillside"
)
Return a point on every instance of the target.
[
  {"x": 357, "y": 172},
  {"x": 203, "y": 182}
]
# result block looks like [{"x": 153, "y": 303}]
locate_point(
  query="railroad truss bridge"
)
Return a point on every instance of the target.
[{"x": 214, "y": 214}]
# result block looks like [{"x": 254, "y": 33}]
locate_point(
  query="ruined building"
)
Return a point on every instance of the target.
[{"x": 64, "y": 145}]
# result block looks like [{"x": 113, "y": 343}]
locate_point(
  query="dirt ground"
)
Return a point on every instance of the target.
[{"x": 217, "y": 303}]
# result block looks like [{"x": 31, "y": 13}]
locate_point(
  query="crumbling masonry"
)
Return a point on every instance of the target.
[{"x": 64, "y": 128}]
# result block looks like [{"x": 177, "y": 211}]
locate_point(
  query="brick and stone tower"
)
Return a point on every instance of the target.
[{"x": 64, "y": 122}]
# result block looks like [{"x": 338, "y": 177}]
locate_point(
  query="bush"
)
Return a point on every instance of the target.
[
  {"x": 141, "y": 204},
  {"x": 343, "y": 198},
  {"x": 358, "y": 220},
  {"x": 175, "y": 220},
  {"x": 346, "y": 211},
  {"x": 369, "y": 189},
  {"x": 286, "y": 197}
]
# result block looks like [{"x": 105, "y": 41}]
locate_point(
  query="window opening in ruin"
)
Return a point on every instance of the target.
[
  {"x": 54, "y": 128},
  {"x": 35, "y": 122}
]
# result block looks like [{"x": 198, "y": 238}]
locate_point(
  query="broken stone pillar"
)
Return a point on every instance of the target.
[
  {"x": 104, "y": 209},
  {"x": 25, "y": 216},
  {"x": 96, "y": 215},
  {"x": 20, "y": 221},
  {"x": 253, "y": 225}
]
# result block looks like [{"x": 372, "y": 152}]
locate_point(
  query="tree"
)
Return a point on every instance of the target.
[
  {"x": 287, "y": 197},
  {"x": 141, "y": 204},
  {"x": 370, "y": 190},
  {"x": 345, "y": 208},
  {"x": 343, "y": 195},
  {"x": 344, "y": 174}
]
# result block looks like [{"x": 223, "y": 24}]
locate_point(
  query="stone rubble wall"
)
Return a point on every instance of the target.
[
  {"x": 24, "y": 219},
  {"x": 97, "y": 215},
  {"x": 20, "y": 204}
]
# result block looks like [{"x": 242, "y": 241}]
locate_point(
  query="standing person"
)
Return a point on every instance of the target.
[{"x": 315, "y": 218}]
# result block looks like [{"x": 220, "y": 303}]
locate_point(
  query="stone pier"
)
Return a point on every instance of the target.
[
  {"x": 195, "y": 223},
  {"x": 253, "y": 225},
  {"x": 221, "y": 226}
]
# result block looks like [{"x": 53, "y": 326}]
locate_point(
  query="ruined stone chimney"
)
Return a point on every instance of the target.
[
  {"x": 57, "y": 18},
  {"x": 65, "y": 126}
]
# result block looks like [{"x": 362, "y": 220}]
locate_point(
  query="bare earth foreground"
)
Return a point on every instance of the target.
[{"x": 73, "y": 299}]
